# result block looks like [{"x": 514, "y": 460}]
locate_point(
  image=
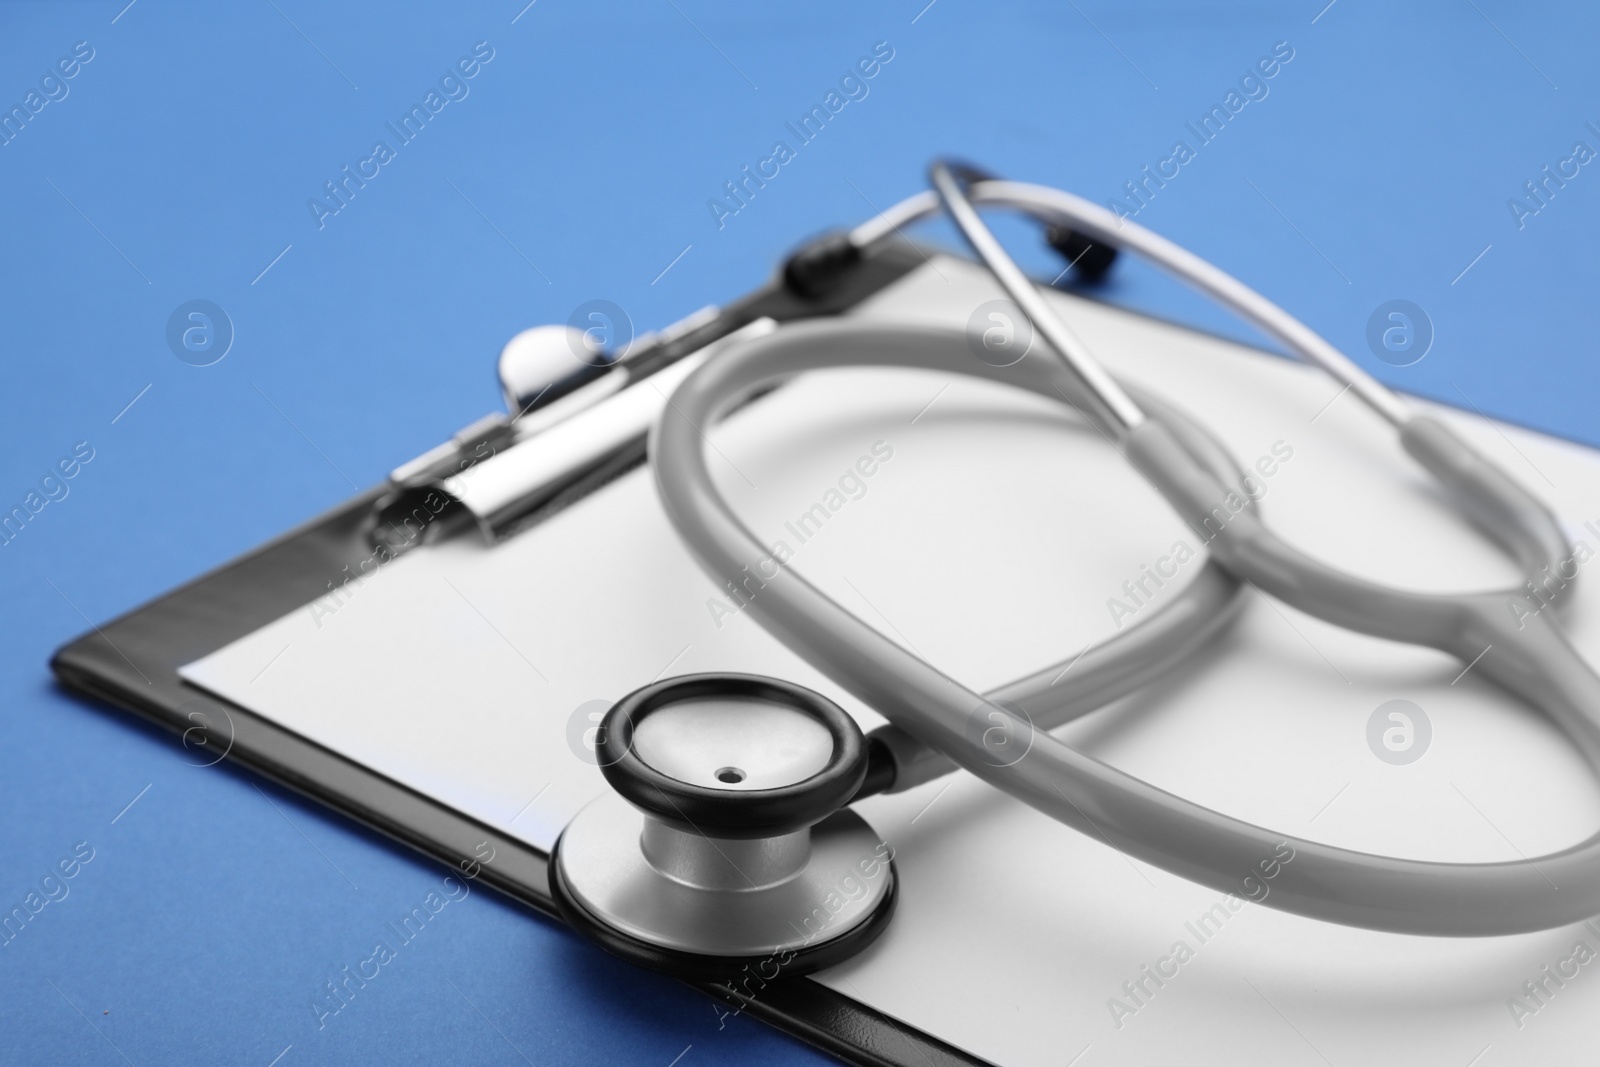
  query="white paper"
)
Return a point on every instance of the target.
[{"x": 990, "y": 542}]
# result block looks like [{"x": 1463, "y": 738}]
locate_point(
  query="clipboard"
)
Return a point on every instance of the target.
[
  {"x": 170, "y": 660},
  {"x": 132, "y": 662}
]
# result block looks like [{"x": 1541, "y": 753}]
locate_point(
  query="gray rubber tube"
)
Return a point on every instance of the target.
[
  {"x": 1531, "y": 658},
  {"x": 1128, "y": 660}
]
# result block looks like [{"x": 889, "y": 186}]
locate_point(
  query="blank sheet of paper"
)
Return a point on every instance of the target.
[{"x": 994, "y": 537}]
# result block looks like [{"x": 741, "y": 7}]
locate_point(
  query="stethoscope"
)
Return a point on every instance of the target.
[{"x": 728, "y": 845}]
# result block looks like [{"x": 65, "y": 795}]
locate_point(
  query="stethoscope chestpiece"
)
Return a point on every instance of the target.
[{"x": 726, "y": 852}]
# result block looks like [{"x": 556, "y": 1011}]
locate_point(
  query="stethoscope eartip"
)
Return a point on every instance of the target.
[{"x": 726, "y": 851}]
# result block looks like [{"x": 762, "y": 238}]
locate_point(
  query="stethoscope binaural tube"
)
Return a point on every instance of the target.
[
  {"x": 1056, "y": 207},
  {"x": 1535, "y": 662}
]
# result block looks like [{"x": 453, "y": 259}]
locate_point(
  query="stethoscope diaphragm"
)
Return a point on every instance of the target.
[{"x": 725, "y": 846}]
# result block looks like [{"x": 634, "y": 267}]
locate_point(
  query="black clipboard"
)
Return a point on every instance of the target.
[{"x": 132, "y": 663}]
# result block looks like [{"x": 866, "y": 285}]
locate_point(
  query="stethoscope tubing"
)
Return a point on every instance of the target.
[{"x": 1322, "y": 881}]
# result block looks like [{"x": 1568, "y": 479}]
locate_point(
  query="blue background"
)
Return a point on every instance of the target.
[{"x": 578, "y": 168}]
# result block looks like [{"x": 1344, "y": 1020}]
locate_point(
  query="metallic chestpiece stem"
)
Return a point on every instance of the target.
[{"x": 703, "y": 862}]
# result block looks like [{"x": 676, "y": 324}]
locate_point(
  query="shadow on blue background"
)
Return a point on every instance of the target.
[{"x": 577, "y": 163}]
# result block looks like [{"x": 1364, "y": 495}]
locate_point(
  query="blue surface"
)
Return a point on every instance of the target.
[{"x": 579, "y": 166}]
